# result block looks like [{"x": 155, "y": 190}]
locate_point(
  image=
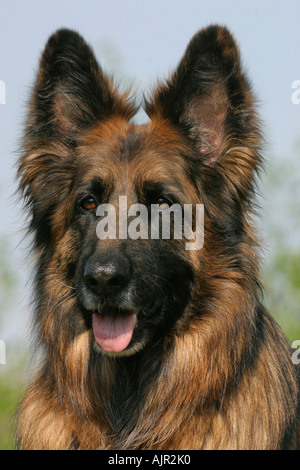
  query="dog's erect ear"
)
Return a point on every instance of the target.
[
  {"x": 71, "y": 94},
  {"x": 210, "y": 99},
  {"x": 71, "y": 91}
]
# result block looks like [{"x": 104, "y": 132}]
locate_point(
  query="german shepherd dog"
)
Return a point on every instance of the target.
[{"x": 146, "y": 344}]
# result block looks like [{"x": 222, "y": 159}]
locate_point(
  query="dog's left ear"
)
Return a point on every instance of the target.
[{"x": 210, "y": 100}]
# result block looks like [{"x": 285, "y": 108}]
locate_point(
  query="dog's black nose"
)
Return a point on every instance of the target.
[{"x": 106, "y": 275}]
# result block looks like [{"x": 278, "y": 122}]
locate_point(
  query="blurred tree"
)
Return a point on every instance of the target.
[
  {"x": 7, "y": 278},
  {"x": 112, "y": 61},
  {"x": 282, "y": 229},
  {"x": 282, "y": 282},
  {"x": 9, "y": 373}
]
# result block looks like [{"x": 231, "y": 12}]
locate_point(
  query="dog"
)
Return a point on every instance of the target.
[{"x": 147, "y": 343}]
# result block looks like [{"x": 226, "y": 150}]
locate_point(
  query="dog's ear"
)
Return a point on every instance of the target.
[
  {"x": 71, "y": 91},
  {"x": 210, "y": 100},
  {"x": 71, "y": 94}
]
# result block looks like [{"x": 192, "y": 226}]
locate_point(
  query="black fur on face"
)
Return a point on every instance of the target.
[{"x": 115, "y": 277}]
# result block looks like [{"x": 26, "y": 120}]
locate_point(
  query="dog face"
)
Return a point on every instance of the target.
[
  {"x": 82, "y": 151},
  {"x": 130, "y": 289}
]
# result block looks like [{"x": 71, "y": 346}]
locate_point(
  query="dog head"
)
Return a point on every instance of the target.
[{"x": 84, "y": 160}]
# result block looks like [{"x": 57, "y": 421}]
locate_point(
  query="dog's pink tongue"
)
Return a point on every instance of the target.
[{"x": 113, "y": 334}]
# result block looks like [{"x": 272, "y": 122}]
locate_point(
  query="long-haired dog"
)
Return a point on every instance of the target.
[{"x": 147, "y": 344}]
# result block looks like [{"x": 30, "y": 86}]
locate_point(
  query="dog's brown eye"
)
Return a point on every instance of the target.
[
  {"x": 162, "y": 203},
  {"x": 88, "y": 203}
]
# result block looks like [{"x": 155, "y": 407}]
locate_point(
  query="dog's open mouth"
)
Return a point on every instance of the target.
[
  {"x": 113, "y": 333},
  {"x": 114, "y": 328}
]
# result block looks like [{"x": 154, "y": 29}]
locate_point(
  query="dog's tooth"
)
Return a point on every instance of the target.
[{"x": 135, "y": 320}]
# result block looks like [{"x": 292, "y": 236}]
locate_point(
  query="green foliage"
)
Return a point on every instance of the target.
[
  {"x": 7, "y": 277},
  {"x": 11, "y": 392},
  {"x": 282, "y": 282},
  {"x": 9, "y": 385},
  {"x": 282, "y": 221}
]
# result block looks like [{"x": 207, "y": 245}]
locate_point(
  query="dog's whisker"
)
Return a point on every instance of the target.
[{"x": 64, "y": 300}]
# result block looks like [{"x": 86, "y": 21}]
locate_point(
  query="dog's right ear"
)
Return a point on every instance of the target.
[
  {"x": 71, "y": 91},
  {"x": 71, "y": 94}
]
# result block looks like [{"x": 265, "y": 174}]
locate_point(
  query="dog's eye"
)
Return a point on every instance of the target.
[
  {"x": 163, "y": 203},
  {"x": 89, "y": 203}
]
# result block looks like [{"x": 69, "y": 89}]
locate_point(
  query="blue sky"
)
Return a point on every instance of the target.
[{"x": 149, "y": 38}]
